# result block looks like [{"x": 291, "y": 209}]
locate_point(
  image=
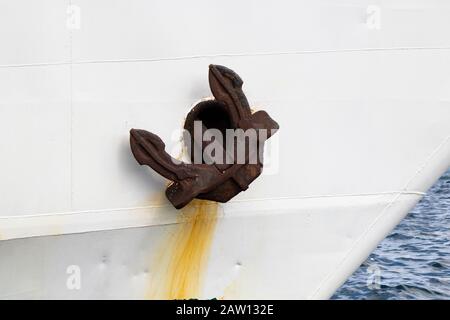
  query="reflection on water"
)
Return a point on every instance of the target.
[{"x": 413, "y": 262}]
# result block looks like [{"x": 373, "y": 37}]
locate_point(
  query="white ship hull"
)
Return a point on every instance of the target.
[{"x": 361, "y": 93}]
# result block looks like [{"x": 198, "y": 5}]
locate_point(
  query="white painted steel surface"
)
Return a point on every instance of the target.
[{"x": 363, "y": 106}]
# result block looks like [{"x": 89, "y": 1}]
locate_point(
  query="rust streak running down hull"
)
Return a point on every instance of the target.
[{"x": 180, "y": 265}]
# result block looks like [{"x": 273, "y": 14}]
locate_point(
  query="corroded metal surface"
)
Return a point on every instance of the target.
[{"x": 214, "y": 181}]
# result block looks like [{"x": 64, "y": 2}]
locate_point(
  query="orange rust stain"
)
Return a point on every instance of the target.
[{"x": 180, "y": 265}]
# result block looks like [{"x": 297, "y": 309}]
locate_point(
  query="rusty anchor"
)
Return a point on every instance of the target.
[{"x": 210, "y": 180}]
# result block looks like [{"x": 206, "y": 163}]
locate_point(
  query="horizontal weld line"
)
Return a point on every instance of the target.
[
  {"x": 419, "y": 193},
  {"x": 82, "y": 212},
  {"x": 62, "y": 63},
  {"x": 233, "y": 201}
]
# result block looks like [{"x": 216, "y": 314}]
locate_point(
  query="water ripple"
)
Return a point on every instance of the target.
[{"x": 413, "y": 262}]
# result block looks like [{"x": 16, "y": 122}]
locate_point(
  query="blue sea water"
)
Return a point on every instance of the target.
[{"x": 413, "y": 262}]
